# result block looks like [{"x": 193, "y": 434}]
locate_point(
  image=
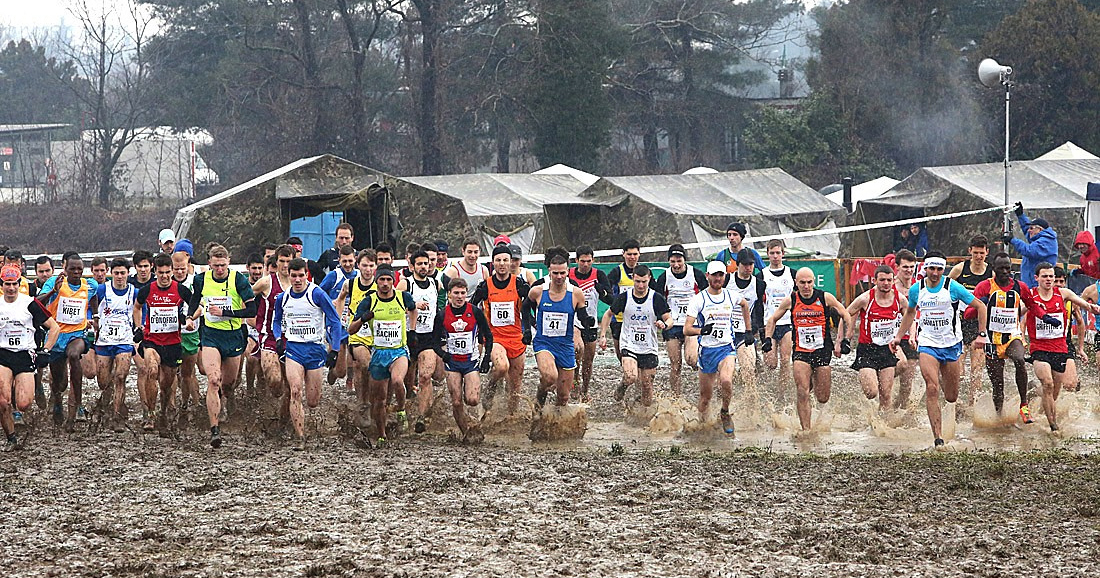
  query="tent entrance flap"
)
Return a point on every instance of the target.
[{"x": 369, "y": 212}]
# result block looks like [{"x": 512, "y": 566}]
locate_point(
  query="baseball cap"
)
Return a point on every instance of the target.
[
  {"x": 745, "y": 256},
  {"x": 185, "y": 246},
  {"x": 11, "y": 273},
  {"x": 1041, "y": 223},
  {"x": 715, "y": 267},
  {"x": 167, "y": 235},
  {"x": 501, "y": 240},
  {"x": 517, "y": 252},
  {"x": 441, "y": 245}
]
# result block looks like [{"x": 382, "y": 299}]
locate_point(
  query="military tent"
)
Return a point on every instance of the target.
[
  {"x": 664, "y": 209},
  {"x": 1051, "y": 189}
]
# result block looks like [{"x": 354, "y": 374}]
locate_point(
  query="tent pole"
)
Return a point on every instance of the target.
[{"x": 1008, "y": 92}]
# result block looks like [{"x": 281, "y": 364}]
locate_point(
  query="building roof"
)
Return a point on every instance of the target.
[{"x": 27, "y": 128}]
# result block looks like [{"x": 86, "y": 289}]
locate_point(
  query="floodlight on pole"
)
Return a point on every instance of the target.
[{"x": 991, "y": 74}]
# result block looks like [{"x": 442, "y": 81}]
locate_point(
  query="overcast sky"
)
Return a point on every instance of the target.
[{"x": 33, "y": 13}]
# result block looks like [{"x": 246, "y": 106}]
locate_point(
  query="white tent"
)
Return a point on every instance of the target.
[
  {"x": 1068, "y": 151},
  {"x": 863, "y": 191},
  {"x": 559, "y": 169}
]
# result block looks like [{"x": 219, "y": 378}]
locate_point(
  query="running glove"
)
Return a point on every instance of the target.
[
  {"x": 1019, "y": 209},
  {"x": 706, "y": 329},
  {"x": 139, "y": 334},
  {"x": 749, "y": 339},
  {"x": 331, "y": 361},
  {"x": 1051, "y": 320},
  {"x": 280, "y": 346},
  {"x": 41, "y": 358},
  {"x": 486, "y": 363},
  {"x": 845, "y": 347},
  {"x": 527, "y": 336},
  {"x": 766, "y": 345},
  {"x": 446, "y": 357}
]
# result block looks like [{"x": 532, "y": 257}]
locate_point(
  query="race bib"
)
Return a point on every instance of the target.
[
  {"x": 553, "y": 323},
  {"x": 164, "y": 320},
  {"x": 387, "y": 334},
  {"x": 424, "y": 320},
  {"x": 1003, "y": 319},
  {"x": 811, "y": 338},
  {"x": 13, "y": 336},
  {"x": 301, "y": 327},
  {"x": 503, "y": 313},
  {"x": 884, "y": 330},
  {"x": 71, "y": 310},
  {"x": 737, "y": 323},
  {"x": 223, "y": 301},
  {"x": 460, "y": 343},
  {"x": 722, "y": 327},
  {"x": 679, "y": 307},
  {"x": 639, "y": 335},
  {"x": 1047, "y": 331}
]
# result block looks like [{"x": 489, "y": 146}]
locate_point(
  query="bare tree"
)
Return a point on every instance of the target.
[{"x": 109, "y": 50}]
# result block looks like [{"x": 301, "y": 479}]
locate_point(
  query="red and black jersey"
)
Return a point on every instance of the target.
[
  {"x": 880, "y": 324},
  {"x": 165, "y": 307},
  {"x": 1044, "y": 336}
]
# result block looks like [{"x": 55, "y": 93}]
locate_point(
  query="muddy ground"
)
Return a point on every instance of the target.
[{"x": 620, "y": 502}]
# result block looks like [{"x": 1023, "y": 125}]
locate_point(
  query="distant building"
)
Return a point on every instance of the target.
[{"x": 25, "y": 165}]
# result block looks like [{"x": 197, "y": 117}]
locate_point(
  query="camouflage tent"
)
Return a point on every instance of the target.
[
  {"x": 1051, "y": 189},
  {"x": 259, "y": 211},
  {"x": 482, "y": 206},
  {"x": 665, "y": 209}
]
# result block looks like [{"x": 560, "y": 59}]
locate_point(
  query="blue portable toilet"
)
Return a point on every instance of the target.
[{"x": 318, "y": 233}]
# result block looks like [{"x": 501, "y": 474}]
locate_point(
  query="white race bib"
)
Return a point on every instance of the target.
[
  {"x": 1047, "y": 331},
  {"x": 71, "y": 310},
  {"x": 503, "y": 313},
  {"x": 424, "y": 320},
  {"x": 387, "y": 334},
  {"x": 12, "y": 336},
  {"x": 460, "y": 343},
  {"x": 679, "y": 307},
  {"x": 302, "y": 327},
  {"x": 223, "y": 301},
  {"x": 164, "y": 320},
  {"x": 884, "y": 330},
  {"x": 553, "y": 323},
  {"x": 811, "y": 338},
  {"x": 1003, "y": 319},
  {"x": 737, "y": 323}
]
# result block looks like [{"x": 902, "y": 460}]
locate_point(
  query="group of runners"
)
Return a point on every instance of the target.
[{"x": 395, "y": 333}]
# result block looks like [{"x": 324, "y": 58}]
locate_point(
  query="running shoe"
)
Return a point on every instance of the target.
[
  {"x": 1025, "y": 414},
  {"x": 215, "y": 437},
  {"x": 727, "y": 423},
  {"x": 81, "y": 414},
  {"x": 420, "y": 426},
  {"x": 939, "y": 442},
  {"x": 58, "y": 414},
  {"x": 402, "y": 421},
  {"x": 8, "y": 445},
  {"x": 620, "y": 392},
  {"x": 17, "y": 417}
]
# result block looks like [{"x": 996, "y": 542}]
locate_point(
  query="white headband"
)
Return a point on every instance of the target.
[{"x": 936, "y": 262}]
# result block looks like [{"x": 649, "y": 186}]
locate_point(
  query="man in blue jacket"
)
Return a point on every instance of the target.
[{"x": 1041, "y": 245}]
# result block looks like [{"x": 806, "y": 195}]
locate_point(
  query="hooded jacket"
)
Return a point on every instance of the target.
[
  {"x": 1043, "y": 246},
  {"x": 1090, "y": 258}
]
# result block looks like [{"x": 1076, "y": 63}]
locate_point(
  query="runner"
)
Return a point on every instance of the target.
[
  {"x": 710, "y": 315},
  {"x": 750, "y": 287},
  {"x": 557, "y": 305},
  {"x": 908, "y": 359},
  {"x": 939, "y": 340},
  {"x": 183, "y": 273},
  {"x": 678, "y": 285},
  {"x": 507, "y": 321},
  {"x": 441, "y": 259},
  {"x": 330, "y": 259},
  {"x": 147, "y": 372},
  {"x": 333, "y": 285},
  {"x": 225, "y": 298},
  {"x": 20, "y": 317},
  {"x": 969, "y": 273},
  {"x": 880, "y": 311},
  {"x": 390, "y": 314},
  {"x": 468, "y": 268},
  {"x": 15, "y": 257},
  {"x": 643, "y": 311},
  {"x": 518, "y": 269},
  {"x": 779, "y": 284},
  {"x": 459, "y": 327},
  {"x": 1053, "y": 361},
  {"x": 1078, "y": 320},
  {"x": 43, "y": 271},
  {"x": 66, "y": 298},
  {"x": 596, "y": 287},
  {"x": 621, "y": 279},
  {"x": 252, "y": 369},
  {"x": 359, "y": 344},
  {"x": 735, "y": 234},
  {"x": 165, "y": 303},
  {"x": 425, "y": 290},
  {"x": 1005, "y": 298},
  {"x": 113, "y": 304},
  {"x": 383, "y": 255},
  {"x": 167, "y": 239},
  {"x": 89, "y": 363},
  {"x": 808, "y": 309},
  {"x": 304, "y": 320},
  {"x": 267, "y": 291}
]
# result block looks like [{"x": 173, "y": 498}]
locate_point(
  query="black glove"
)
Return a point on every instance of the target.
[
  {"x": 1018, "y": 209},
  {"x": 749, "y": 339},
  {"x": 139, "y": 334},
  {"x": 1051, "y": 320},
  {"x": 766, "y": 345},
  {"x": 527, "y": 336},
  {"x": 446, "y": 357},
  {"x": 412, "y": 339},
  {"x": 486, "y": 363},
  {"x": 41, "y": 358},
  {"x": 280, "y": 346},
  {"x": 1007, "y": 237},
  {"x": 331, "y": 361},
  {"x": 845, "y": 347},
  {"x": 706, "y": 330},
  {"x": 588, "y": 322}
]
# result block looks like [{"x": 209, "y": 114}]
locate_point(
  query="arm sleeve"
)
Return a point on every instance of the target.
[
  {"x": 143, "y": 294},
  {"x": 700, "y": 278},
  {"x": 619, "y": 304},
  {"x": 483, "y": 329},
  {"x": 410, "y": 303},
  {"x": 39, "y": 315},
  {"x": 438, "y": 338},
  {"x": 315, "y": 270},
  {"x": 526, "y": 307},
  {"x": 659, "y": 284},
  {"x": 328, "y": 282},
  {"x": 364, "y": 306},
  {"x": 481, "y": 293},
  {"x": 695, "y": 307},
  {"x": 100, "y": 293},
  {"x": 277, "y": 319},
  {"x": 603, "y": 286},
  {"x": 914, "y": 292},
  {"x": 196, "y": 294},
  {"x": 660, "y": 305},
  {"x": 1028, "y": 297},
  {"x": 759, "y": 261}
]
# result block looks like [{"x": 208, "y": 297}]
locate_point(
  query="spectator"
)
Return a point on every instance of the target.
[
  {"x": 1085, "y": 244},
  {"x": 901, "y": 239},
  {"x": 918, "y": 240},
  {"x": 1041, "y": 245}
]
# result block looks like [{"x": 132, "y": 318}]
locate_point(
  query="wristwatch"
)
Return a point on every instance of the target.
[{"x": 981, "y": 334}]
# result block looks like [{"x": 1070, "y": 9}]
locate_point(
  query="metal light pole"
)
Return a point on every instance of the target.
[{"x": 991, "y": 74}]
